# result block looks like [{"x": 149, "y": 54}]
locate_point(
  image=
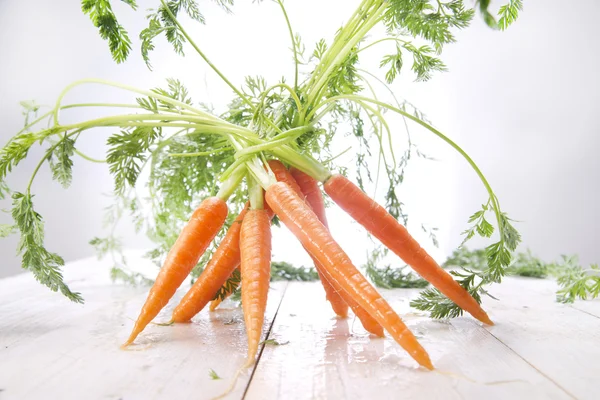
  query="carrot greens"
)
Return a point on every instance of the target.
[{"x": 166, "y": 153}]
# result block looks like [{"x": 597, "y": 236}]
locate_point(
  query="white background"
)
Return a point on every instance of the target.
[{"x": 524, "y": 103}]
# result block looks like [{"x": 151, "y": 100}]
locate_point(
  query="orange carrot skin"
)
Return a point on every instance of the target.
[
  {"x": 193, "y": 240},
  {"x": 394, "y": 236},
  {"x": 282, "y": 174},
  {"x": 312, "y": 192},
  {"x": 314, "y": 198},
  {"x": 225, "y": 259},
  {"x": 255, "y": 246},
  {"x": 215, "y": 303},
  {"x": 305, "y": 225}
]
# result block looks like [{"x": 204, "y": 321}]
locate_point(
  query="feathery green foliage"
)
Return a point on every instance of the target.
[{"x": 188, "y": 152}]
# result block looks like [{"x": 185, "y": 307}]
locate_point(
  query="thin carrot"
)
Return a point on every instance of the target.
[
  {"x": 314, "y": 198},
  {"x": 338, "y": 305},
  {"x": 193, "y": 240},
  {"x": 225, "y": 259},
  {"x": 255, "y": 247},
  {"x": 305, "y": 225},
  {"x": 228, "y": 291},
  {"x": 393, "y": 235}
]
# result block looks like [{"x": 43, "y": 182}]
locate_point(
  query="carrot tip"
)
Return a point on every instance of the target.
[
  {"x": 485, "y": 319},
  {"x": 428, "y": 365}
]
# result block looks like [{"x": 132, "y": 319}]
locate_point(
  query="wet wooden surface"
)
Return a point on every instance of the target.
[{"x": 50, "y": 348}]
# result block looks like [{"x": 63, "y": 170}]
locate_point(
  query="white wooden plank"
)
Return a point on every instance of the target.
[
  {"x": 591, "y": 307},
  {"x": 560, "y": 341},
  {"x": 331, "y": 358},
  {"x": 61, "y": 350}
]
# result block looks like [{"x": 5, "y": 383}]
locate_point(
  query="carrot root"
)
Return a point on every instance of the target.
[
  {"x": 304, "y": 224},
  {"x": 195, "y": 237},
  {"x": 223, "y": 262},
  {"x": 394, "y": 236},
  {"x": 255, "y": 247}
]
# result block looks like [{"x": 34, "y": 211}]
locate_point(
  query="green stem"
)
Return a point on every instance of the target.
[
  {"x": 231, "y": 184},
  {"x": 255, "y": 192},
  {"x": 201, "y": 153},
  {"x": 303, "y": 162},
  {"x": 379, "y": 41},
  {"x": 445, "y": 138},
  {"x": 289, "y": 25},
  {"x": 37, "y": 168},
  {"x": 86, "y": 157},
  {"x": 205, "y": 58},
  {"x": 279, "y": 140},
  {"x": 348, "y": 45},
  {"x": 289, "y": 89},
  {"x": 340, "y": 38},
  {"x": 112, "y": 105},
  {"x": 147, "y": 93}
]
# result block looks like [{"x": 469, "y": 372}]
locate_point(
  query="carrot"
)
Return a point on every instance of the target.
[
  {"x": 255, "y": 247},
  {"x": 314, "y": 198},
  {"x": 337, "y": 303},
  {"x": 193, "y": 240},
  {"x": 228, "y": 292},
  {"x": 225, "y": 259},
  {"x": 305, "y": 225},
  {"x": 395, "y": 236}
]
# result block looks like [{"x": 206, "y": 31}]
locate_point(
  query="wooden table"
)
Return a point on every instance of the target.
[{"x": 52, "y": 349}]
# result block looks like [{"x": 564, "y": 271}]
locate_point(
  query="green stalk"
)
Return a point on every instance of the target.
[
  {"x": 255, "y": 192},
  {"x": 279, "y": 140},
  {"x": 289, "y": 89},
  {"x": 381, "y": 40},
  {"x": 86, "y": 157},
  {"x": 341, "y": 38},
  {"x": 289, "y": 25},
  {"x": 347, "y": 45},
  {"x": 231, "y": 184},
  {"x": 147, "y": 93},
  {"x": 205, "y": 58},
  {"x": 303, "y": 162},
  {"x": 201, "y": 153},
  {"x": 493, "y": 198}
]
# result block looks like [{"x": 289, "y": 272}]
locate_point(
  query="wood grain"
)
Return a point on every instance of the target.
[
  {"x": 52, "y": 349},
  {"x": 559, "y": 340},
  {"x": 331, "y": 358}
]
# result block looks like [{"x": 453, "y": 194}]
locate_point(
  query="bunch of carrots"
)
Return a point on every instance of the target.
[{"x": 296, "y": 198}]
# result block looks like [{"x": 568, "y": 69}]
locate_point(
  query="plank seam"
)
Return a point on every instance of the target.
[
  {"x": 260, "y": 353},
  {"x": 532, "y": 366},
  {"x": 585, "y": 312}
]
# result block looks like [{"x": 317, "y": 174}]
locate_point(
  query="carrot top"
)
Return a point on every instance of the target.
[{"x": 167, "y": 154}]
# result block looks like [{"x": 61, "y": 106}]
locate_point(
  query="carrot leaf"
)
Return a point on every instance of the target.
[
  {"x": 46, "y": 266},
  {"x": 283, "y": 271},
  {"x": 103, "y": 18},
  {"x": 273, "y": 342},
  {"x": 131, "y": 278},
  {"x": 60, "y": 161},
  {"x": 388, "y": 277},
  {"x": 213, "y": 375},
  {"x": 508, "y": 13},
  {"x": 576, "y": 282}
]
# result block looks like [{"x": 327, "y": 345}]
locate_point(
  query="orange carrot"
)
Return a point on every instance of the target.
[
  {"x": 395, "y": 237},
  {"x": 255, "y": 247},
  {"x": 228, "y": 291},
  {"x": 305, "y": 225},
  {"x": 312, "y": 193},
  {"x": 225, "y": 259},
  {"x": 337, "y": 303},
  {"x": 193, "y": 240},
  {"x": 314, "y": 198}
]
